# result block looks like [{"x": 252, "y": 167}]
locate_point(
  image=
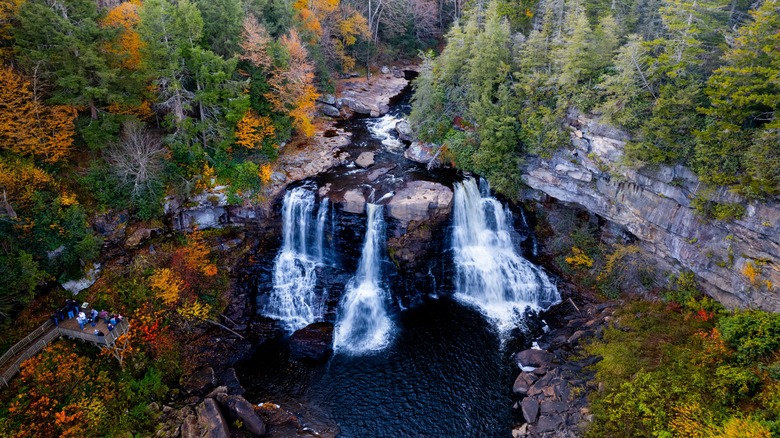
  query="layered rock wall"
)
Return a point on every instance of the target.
[{"x": 654, "y": 204}]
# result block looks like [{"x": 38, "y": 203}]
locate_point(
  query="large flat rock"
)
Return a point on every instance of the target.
[{"x": 419, "y": 201}]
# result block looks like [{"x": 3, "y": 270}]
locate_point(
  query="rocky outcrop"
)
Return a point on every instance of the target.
[
  {"x": 372, "y": 97},
  {"x": 313, "y": 342},
  {"x": 212, "y": 423},
  {"x": 654, "y": 205},
  {"x": 420, "y": 200},
  {"x": 418, "y": 211}
]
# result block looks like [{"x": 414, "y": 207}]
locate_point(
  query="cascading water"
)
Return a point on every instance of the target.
[
  {"x": 383, "y": 129},
  {"x": 491, "y": 275},
  {"x": 293, "y": 299},
  {"x": 363, "y": 324}
]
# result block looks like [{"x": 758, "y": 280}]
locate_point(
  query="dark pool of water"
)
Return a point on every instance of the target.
[{"x": 445, "y": 375}]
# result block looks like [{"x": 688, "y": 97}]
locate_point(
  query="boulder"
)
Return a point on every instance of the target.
[
  {"x": 356, "y": 106},
  {"x": 523, "y": 383},
  {"x": 420, "y": 152},
  {"x": 137, "y": 237},
  {"x": 365, "y": 159},
  {"x": 553, "y": 407},
  {"x": 211, "y": 421},
  {"x": 190, "y": 428},
  {"x": 201, "y": 381},
  {"x": 530, "y": 409},
  {"x": 419, "y": 201},
  {"x": 230, "y": 380},
  {"x": 404, "y": 130},
  {"x": 327, "y": 99},
  {"x": 548, "y": 423},
  {"x": 534, "y": 358},
  {"x": 354, "y": 201},
  {"x": 313, "y": 342},
  {"x": 329, "y": 110},
  {"x": 244, "y": 411}
]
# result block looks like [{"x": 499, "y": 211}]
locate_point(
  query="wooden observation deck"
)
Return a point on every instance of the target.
[{"x": 48, "y": 332}]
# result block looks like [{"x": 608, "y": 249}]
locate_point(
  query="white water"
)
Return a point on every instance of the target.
[
  {"x": 293, "y": 299},
  {"x": 363, "y": 324},
  {"x": 383, "y": 129},
  {"x": 491, "y": 275}
]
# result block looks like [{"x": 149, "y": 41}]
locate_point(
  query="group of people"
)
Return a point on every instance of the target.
[{"x": 86, "y": 316}]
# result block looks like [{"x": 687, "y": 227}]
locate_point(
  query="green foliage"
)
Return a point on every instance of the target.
[
  {"x": 722, "y": 211},
  {"x": 752, "y": 334},
  {"x": 670, "y": 373}
]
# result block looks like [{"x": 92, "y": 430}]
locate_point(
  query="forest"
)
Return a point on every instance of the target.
[
  {"x": 116, "y": 107},
  {"x": 112, "y": 106},
  {"x": 694, "y": 83}
]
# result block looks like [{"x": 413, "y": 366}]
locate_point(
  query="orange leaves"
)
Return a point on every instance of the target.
[
  {"x": 62, "y": 395},
  {"x": 292, "y": 89},
  {"x": 167, "y": 284},
  {"x": 253, "y": 130},
  {"x": 254, "y": 43},
  {"x": 127, "y": 45},
  {"x": 28, "y": 127}
]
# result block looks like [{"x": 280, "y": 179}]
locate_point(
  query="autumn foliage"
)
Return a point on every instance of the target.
[
  {"x": 254, "y": 131},
  {"x": 27, "y": 126},
  {"x": 126, "y": 47},
  {"x": 292, "y": 87}
]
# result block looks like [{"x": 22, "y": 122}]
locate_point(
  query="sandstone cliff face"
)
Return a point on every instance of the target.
[{"x": 654, "y": 204}]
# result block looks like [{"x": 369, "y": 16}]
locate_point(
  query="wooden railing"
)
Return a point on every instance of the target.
[
  {"x": 21, "y": 345},
  {"x": 32, "y": 350},
  {"x": 34, "y": 343}
]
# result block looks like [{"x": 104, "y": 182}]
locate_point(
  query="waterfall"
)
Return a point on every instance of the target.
[
  {"x": 293, "y": 300},
  {"x": 491, "y": 275},
  {"x": 363, "y": 324}
]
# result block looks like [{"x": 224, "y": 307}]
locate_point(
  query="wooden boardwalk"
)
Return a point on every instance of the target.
[{"x": 39, "y": 338}]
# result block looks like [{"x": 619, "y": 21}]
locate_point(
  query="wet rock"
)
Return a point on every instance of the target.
[
  {"x": 201, "y": 381},
  {"x": 575, "y": 336},
  {"x": 211, "y": 421},
  {"x": 534, "y": 358},
  {"x": 523, "y": 383},
  {"x": 420, "y": 152},
  {"x": 313, "y": 342},
  {"x": 354, "y": 201},
  {"x": 530, "y": 409},
  {"x": 404, "y": 130},
  {"x": 377, "y": 172},
  {"x": 230, "y": 380},
  {"x": 365, "y": 159},
  {"x": 244, "y": 411},
  {"x": 420, "y": 200},
  {"x": 190, "y": 427}
]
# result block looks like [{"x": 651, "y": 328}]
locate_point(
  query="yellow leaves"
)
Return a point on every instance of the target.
[
  {"x": 197, "y": 310},
  {"x": 128, "y": 44},
  {"x": 751, "y": 272},
  {"x": 21, "y": 179},
  {"x": 579, "y": 259},
  {"x": 265, "y": 173},
  {"x": 352, "y": 27},
  {"x": 68, "y": 199},
  {"x": 28, "y": 127},
  {"x": 253, "y": 130},
  {"x": 167, "y": 284},
  {"x": 208, "y": 178}
]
